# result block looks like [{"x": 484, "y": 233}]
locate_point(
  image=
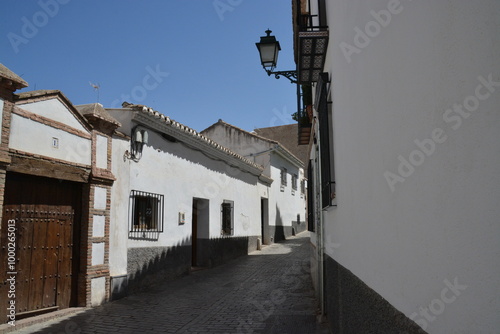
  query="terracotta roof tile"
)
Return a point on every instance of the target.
[
  {"x": 8, "y": 74},
  {"x": 96, "y": 110},
  {"x": 193, "y": 133}
]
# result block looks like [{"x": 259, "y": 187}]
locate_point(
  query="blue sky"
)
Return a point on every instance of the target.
[{"x": 193, "y": 60}]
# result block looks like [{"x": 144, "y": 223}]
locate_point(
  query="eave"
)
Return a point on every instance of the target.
[{"x": 195, "y": 140}]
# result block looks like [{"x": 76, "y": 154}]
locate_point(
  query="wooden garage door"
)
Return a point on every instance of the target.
[{"x": 44, "y": 247}]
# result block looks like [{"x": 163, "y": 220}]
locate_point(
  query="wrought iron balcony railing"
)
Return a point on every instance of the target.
[
  {"x": 304, "y": 113},
  {"x": 311, "y": 39}
]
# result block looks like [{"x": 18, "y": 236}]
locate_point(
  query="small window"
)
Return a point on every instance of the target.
[
  {"x": 283, "y": 179},
  {"x": 294, "y": 183},
  {"x": 303, "y": 187},
  {"x": 147, "y": 212},
  {"x": 227, "y": 218}
]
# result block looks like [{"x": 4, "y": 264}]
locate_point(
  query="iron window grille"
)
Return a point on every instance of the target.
[
  {"x": 283, "y": 178},
  {"x": 227, "y": 218},
  {"x": 146, "y": 214},
  {"x": 303, "y": 187},
  {"x": 294, "y": 183}
]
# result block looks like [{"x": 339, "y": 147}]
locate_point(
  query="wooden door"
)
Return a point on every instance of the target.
[{"x": 45, "y": 269}]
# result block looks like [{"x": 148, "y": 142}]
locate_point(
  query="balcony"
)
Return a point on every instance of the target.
[
  {"x": 304, "y": 113},
  {"x": 304, "y": 126},
  {"x": 311, "y": 39}
]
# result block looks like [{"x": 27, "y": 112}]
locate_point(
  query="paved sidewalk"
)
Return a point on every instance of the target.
[{"x": 269, "y": 291}]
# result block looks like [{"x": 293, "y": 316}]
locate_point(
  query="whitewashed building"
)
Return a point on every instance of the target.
[
  {"x": 55, "y": 194},
  {"x": 103, "y": 202},
  {"x": 181, "y": 200},
  {"x": 287, "y": 201},
  {"x": 405, "y": 162}
]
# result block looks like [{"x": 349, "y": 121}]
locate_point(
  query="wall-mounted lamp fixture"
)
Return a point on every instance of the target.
[
  {"x": 140, "y": 137},
  {"x": 269, "y": 48}
]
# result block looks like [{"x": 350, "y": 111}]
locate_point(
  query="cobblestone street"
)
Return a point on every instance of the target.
[{"x": 269, "y": 291}]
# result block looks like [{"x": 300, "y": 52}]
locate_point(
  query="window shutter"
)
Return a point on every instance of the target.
[
  {"x": 310, "y": 197},
  {"x": 327, "y": 178},
  {"x": 227, "y": 214}
]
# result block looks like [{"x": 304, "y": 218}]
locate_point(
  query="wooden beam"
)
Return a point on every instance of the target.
[{"x": 52, "y": 169}]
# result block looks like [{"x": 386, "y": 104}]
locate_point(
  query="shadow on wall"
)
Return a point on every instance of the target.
[
  {"x": 349, "y": 299},
  {"x": 213, "y": 252},
  {"x": 298, "y": 225},
  {"x": 281, "y": 231},
  {"x": 148, "y": 266},
  {"x": 173, "y": 146}
]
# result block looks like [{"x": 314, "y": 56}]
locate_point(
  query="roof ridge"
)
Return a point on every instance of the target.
[
  {"x": 7, "y": 73},
  {"x": 277, "y": 126},
  {"x": 190, "y": 131},
  {"x": 248, "y": 132},
  {"x": 283, "y": 147}
]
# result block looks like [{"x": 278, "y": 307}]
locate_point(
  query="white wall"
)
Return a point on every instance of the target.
[
  {"x": 53, "y": 109},
  {"x": 180, "y": 174},
  {"x": 101, "y": 152},
  {"x": 284, "y": 205},
  {"x": 442, "y": 222},
  {"x": 33, "y": 137},
  {"x": 119, "y": 219},
  {"x": 242, "y": 143}
]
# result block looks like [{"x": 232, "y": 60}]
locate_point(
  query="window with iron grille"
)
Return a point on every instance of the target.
[
  {"x": 294, "y": 183},
  {"x": 146, "y": 212},
  {"x": 227, "y": 217},
  {"x": 283, "y": 178},
  {"x": 328, "y": 196},
  {"x": 302, "y": 187}
]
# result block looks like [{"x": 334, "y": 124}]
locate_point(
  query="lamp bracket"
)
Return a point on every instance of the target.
[{"x": 290, "y": 75}]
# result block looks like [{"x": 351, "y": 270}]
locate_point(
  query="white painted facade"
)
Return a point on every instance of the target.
[
  {"x": 46, "y": 130},
  {"x": 119, "y": 222},
  {"x": 30, "y": 136},
  {"x": 181, "y": 171},
  {"x": 54, "y": 109},
  {"x": 101, "y": 152},
  {"x": 416, "y": 131},
  {"x": 285, "y": 204}
]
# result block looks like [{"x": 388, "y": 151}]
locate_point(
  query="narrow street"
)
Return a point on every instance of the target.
[{"x": 269, "y": 291}]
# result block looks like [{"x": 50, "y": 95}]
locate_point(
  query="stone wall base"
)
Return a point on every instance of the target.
[{"x": 353, "y": 307}]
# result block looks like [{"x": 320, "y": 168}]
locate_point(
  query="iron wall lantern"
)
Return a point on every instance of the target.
[{"x": 269, "y": 48}]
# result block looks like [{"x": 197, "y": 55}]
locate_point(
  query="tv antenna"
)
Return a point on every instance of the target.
[{"x": 96, "y": 88}]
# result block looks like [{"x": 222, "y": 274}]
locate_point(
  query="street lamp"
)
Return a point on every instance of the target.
[{"x": 269, "y": 48}]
